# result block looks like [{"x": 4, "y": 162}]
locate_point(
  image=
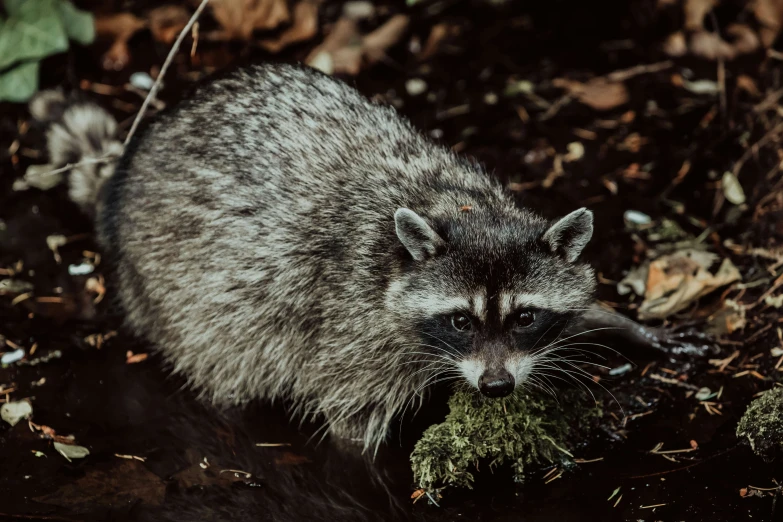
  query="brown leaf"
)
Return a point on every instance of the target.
[
  {"x": 166, "y": 22},
  {"x": 125, "y": 482},
  {"x": 305, "y": 27},
  {"x": 437, "y": 34},
  {"x": 345, "y": 51},
  {"x": 598, "y": 93},
  {"x": 119, "y": 27},
  {"x": 676, "y": 280},
  {"x": 239, "y": 18},
  {"x": 379, "y": 41},
  {"x": 675, "y": 44},
  {"x": 131, "y": 358},
  {"x": 770, "y": 15},
  {"x": 695, "y": 11},
  {"x": 711, "y": 46},
  {"x": 744, "y": 39},
  {"x": 748, "y": 84}
]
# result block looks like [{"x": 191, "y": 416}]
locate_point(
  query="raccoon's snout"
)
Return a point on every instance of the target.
[{"x": 496, "y": 383}]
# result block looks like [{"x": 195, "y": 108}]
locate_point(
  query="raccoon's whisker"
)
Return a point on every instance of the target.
[
  {"x": 589, "y": 378},
  {"x": 602, "y": 346},
  {"x": 543, "y": 335},
  {"x": 568, "y": 348},
  {"x": 571, "y": 375},
  {"x": 580, "y": 361},
  {"x": 454, "y": 351},
  {"x": 548, "y": 387},
  {"x": 420, "y": 388},
  {"x": 585, "y": 332}
]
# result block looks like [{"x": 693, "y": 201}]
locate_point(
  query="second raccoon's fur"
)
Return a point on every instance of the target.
[
  {"x": 279, "y": 236},
  {"x": 82, "y": 134}
]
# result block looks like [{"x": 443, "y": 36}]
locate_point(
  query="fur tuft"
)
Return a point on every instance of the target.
[{"x": 82, "y": 134}]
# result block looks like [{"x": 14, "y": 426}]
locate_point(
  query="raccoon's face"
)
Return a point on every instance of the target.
[{"x": 489, "y": 295}]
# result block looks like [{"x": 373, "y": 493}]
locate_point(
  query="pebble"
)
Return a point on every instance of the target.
[{"x": 415, "y": 86}]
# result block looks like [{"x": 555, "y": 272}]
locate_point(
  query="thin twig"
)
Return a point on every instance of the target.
[
  {"x": 754, "y": 149},
  {"x": 90, "y": 161},
  {"x": 156, "y": 86},
  {"x": 686, "y": 467},
  {"x": 625, "y": 74}
]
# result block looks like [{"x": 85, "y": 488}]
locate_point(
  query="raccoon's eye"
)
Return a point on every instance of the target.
[
  {"x": 461, "y": 322},
  {"x": 525, "y": 318}
]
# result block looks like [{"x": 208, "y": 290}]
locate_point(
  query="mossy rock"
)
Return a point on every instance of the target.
[
  {"x": 521, "y": 430},
  {"x": 762, "y": 424}
]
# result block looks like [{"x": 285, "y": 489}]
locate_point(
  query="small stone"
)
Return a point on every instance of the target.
[
  {"x": 636, "y": 218},
  {"x": 80, "y": 269},
  {"x": 415, "y": 86},
  {"x": 703, "y": 394},
  {"x": 732, "y": 189},
  {"x": 12, "y": 357},
  {"x": 323, "y": 62},
  {"x": 13, "y": 412},
  {"x": 142, "y": 80}
]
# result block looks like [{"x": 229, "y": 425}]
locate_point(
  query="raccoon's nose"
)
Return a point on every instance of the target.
[{"x": 496, "y": 384}]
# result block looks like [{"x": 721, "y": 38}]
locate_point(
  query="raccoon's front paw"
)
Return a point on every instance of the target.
[{"x": 688, "y": 342}]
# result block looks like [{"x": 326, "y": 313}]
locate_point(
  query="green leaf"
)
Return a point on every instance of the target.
[
  {"x": 33, "y": 32},
  {"x": 19, "y": 83},
  {"x": 78, "y": 24}
]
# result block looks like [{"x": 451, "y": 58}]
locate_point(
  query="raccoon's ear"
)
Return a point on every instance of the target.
[
  {"x": 570, "y": 234},
  {"x": 416, "y": 235}
]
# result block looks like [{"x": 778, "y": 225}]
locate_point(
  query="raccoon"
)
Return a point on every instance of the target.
[{"x": 279, "y": 236}]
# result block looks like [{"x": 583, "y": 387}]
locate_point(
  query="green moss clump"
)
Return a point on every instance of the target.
[
  {"x": 762, "y": 424},
  {"x": 522, "y": 430}
]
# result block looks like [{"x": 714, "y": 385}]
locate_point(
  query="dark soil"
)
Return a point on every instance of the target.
[{"x": 115, "y": 408}]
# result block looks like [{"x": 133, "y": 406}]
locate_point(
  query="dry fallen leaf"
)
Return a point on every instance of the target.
[
  {"x": 71, "y": 451},
  {"x": 437, "y": 34},
  {"x": 598, "y": 93},
  {"x": 304, "y": 27},
  {"x": 345, "y": 51},
  {"x": 676, "y": 280},
  {"x": 675, "y": 44},
  {"x": 239, "y": 18},
  {"x": 729, "y": 319},
  {"x": 711, "y": 46},
  {"x": 769, "y": 13},
  {"x": 744, "y": 39},
  {"x": 748, "y": 84},
  {"x": 166, "y": 22},
  {"x": 695, "y": 11},
  {"x": 131, "y": 358},
  {"x": 119, "y": 27}
]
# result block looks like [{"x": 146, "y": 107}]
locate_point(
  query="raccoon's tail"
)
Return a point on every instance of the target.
[{"x": 82, "y": 134}]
